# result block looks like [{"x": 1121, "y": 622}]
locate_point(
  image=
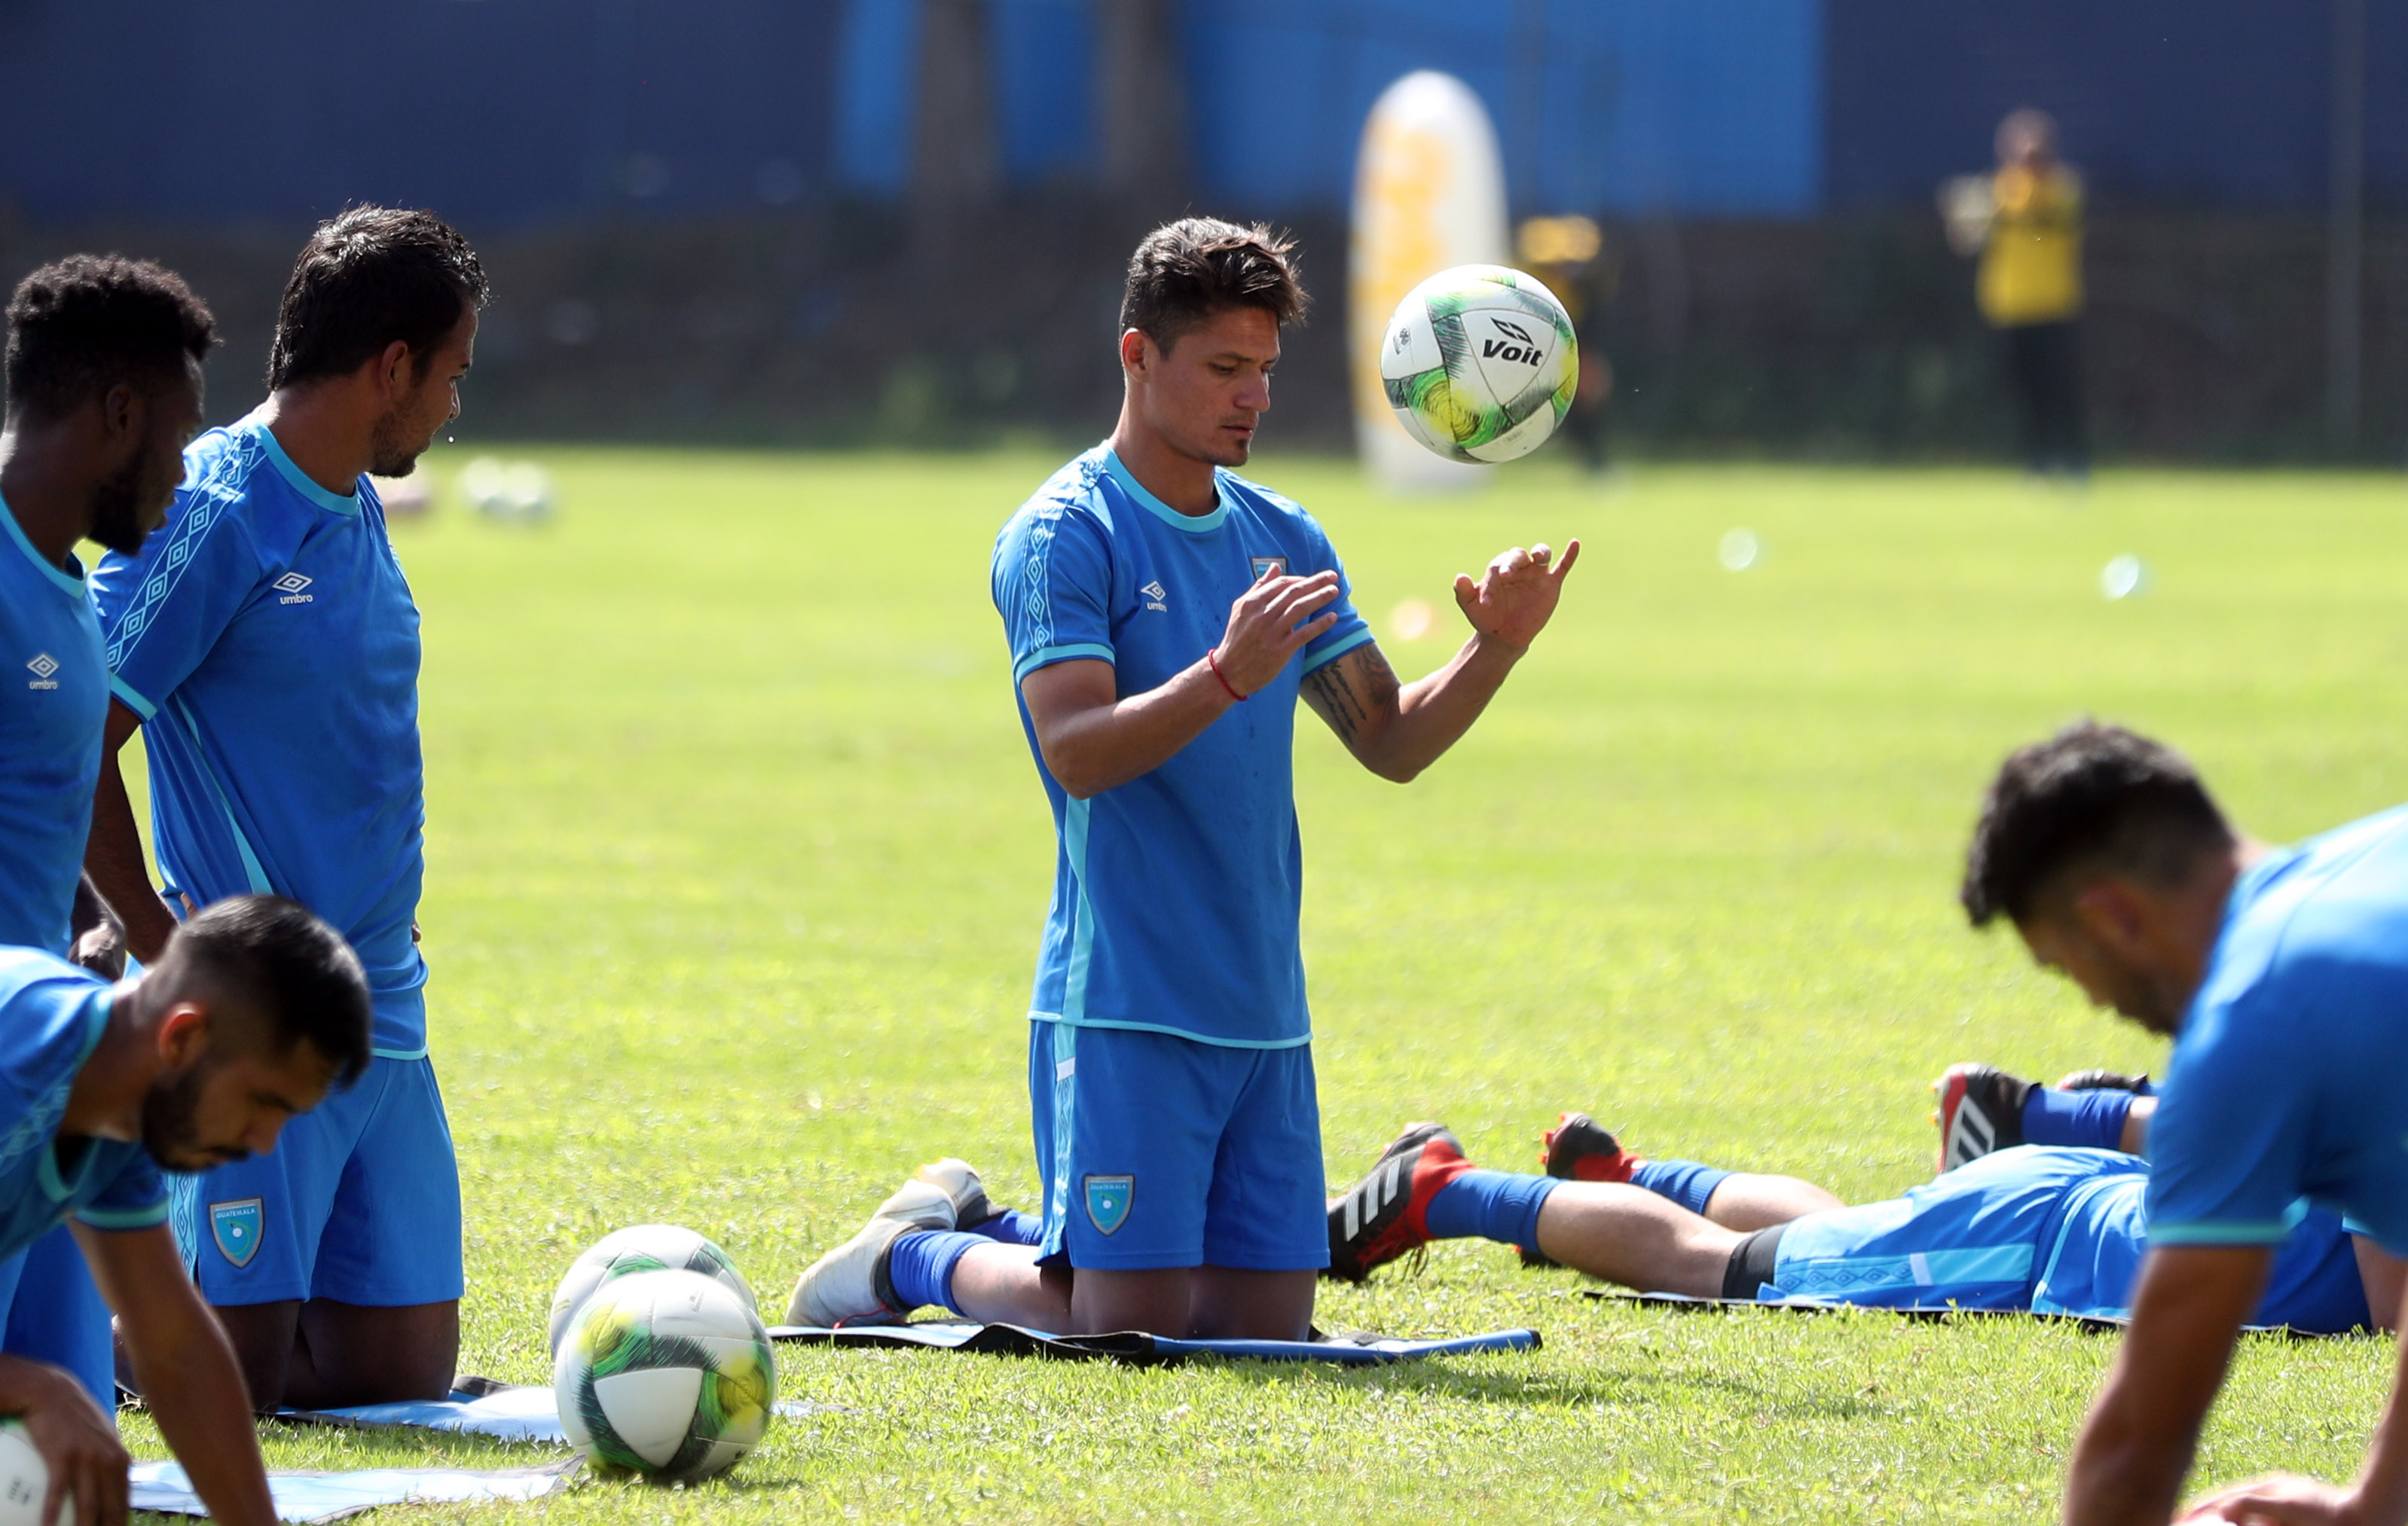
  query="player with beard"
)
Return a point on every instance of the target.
[
  {"x": 104, "y": 373},
  {"x": 266, "y": 643},
  {"x": 255, "y": 1010}
]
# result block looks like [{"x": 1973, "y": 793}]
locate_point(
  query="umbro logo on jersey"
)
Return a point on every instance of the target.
[
  {"x": 1154, "y": 595},
  {"x": 290, "y": 585},
  {"x": 43, "y": 665}
]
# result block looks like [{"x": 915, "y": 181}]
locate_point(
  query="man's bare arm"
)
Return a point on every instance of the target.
[
  {"x": 1398, "y": 730},
  {"x": 1091, "y": 739},
  {"x": 2143, "y": 1428},
  {"x": 185, "y": 1368},
  {"x": 112, "y": 857}
]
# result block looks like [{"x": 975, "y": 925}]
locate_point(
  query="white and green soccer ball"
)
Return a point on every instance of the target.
[
  {"x": 1479, "y": 364},
  {"x": 23, "y": 1480},
  {"x": 644, "y": 1248},
  {"x": 665, "y": 1373}
]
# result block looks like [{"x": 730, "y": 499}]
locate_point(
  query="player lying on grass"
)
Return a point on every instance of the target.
[
  {"x": 1166, "y": 616},
  {"x": 2282, "y": 975},
  {"x": 2041, "y": 1229},
  {"x": 254, "y": 1011}
]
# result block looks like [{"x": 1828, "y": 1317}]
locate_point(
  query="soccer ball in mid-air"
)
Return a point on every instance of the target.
[
  {"x": 1479, "y": 364},
  {"x": 645, "y": 1248},
  {"x": 665, "y": 1374},
  {"x": 24, "y": 1479}
]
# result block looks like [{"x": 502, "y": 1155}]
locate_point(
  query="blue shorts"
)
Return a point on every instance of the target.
[
  {"x": 1158, "y": 1151},
  {"x": 359, "y": 1202}
]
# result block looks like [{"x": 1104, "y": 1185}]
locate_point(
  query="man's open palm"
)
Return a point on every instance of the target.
[{"x": 1513, "y": 600}]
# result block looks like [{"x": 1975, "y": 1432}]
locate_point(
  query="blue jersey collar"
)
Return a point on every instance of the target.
[
  {"x": 1194, "y": 524},
  {"x": 55, "y": 1184},
  {"x": 69, "y": 582},
  {"x": 299, "y": 480}
]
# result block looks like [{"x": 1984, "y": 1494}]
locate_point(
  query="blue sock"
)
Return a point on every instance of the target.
[
  {"x": 1010, "y": 1227},
  {"x": 921, "y": 1265},
  {"x": 1500, "y": 1206},
  {"x": 1686, "y": 1182},
  {"x": 2086, "y": 1119}
]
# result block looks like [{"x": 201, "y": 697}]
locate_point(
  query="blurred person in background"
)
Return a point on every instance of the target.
[
  {"x": 1570, "y": 255},
  {"x": 2024, "y": 222}
]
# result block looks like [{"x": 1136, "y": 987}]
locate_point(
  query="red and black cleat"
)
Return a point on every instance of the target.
[
  {"x": 1579, "y": 1149},
  {"x": 1382, "y": 1216},
  {"x": 1981, "y": 1112}
]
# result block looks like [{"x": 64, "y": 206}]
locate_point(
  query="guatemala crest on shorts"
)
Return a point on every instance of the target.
[
  {"x": 237, "y": 1227},
  {"x": 1108, "y": 1201}
]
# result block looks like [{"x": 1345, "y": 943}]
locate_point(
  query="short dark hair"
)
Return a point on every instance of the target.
[
  {"x": 369, "y": 276},
  {"x": 294, "y": 971},
  {"x": 92, "y": 321},
  {"x": 1183, "y": 272},
  {"x": 2092, "y": 794}
]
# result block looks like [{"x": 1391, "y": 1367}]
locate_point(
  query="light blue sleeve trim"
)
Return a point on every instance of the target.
[
  {"x": 1349, "y": 644},
  {"x": 418, "y": 1053},
  {"x": 299, "y": 480},
  {"x": 1189, "y": 1033},
  {"x": 133, "y": 701},
  {"x": 2257, "y": 1232},
  {"x": 1046, "y": 656},
  {"x": 124, "y": 1218},
  {"x": 253, "y": 872}
]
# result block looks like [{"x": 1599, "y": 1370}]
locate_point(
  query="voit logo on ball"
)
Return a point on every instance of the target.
[{"x": 1518, "y": 344}]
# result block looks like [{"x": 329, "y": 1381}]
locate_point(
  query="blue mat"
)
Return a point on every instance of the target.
[
  {"x": 480, "y": 1406},
  {"x": 329, "y": 1496},
  {"x": 1135, "y": 1346},
  {"x": 2095, "y": 1323}
]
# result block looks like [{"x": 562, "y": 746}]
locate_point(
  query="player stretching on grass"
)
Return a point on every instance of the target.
[
  {"x": 1165, "y": 616},
  {"x": 2282, "y": 975},
  {"x": 104, "y": 381},
  {"x": 2041, "y": 1229},
  {"x": 267, "y": 644},
  {"x": 251, "y": 1013}
]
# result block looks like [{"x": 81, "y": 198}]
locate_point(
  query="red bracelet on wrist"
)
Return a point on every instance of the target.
[{"x": 1212, "y": 661}]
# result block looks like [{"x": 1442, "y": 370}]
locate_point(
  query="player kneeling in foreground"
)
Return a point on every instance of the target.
[
  {"x": 2041, "y": 1229},
  {"x": 2281, "y": 975},
  {"x": 254, "y": 1011},
  {"x": 1166, "y": 619}
]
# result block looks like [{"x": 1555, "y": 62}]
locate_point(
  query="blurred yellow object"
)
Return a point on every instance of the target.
[
  {"x": 1559, "y": 241},
  {"x": 2031, "y": 267}
]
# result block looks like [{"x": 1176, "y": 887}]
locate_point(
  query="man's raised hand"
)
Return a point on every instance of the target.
[
  {"x": 1513, "y": 600},
  {"x": 1264, "y": 632}
]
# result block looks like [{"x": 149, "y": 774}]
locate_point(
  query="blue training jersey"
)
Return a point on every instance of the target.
[
  {"x": 53, "y": 707},
  {"x": 2286, "y": 1078},
  {"x": 267, "y": 639},
  {"x": 2055, "y": 1230},
  {"x": 1176, "y": 895},
  {"x": 52, "y": 1014}
]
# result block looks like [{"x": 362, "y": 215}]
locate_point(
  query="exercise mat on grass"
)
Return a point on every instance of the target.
[{"x": 1135, "y": 1346}]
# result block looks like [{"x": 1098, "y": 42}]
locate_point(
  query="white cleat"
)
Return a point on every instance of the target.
[
  {"x": 959, "y": 1181},
  {"x": 849, "y": 1284}
]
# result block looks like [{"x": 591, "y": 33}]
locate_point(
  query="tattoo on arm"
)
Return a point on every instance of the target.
[{"x": 1340, "y": 702}]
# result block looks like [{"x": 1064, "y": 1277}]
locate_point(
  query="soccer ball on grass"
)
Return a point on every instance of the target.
[
  {"x": 665, "y": 1373},
  {"x": 644, "y": 1248}
]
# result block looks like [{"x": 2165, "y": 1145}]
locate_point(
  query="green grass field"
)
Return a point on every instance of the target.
[{"x": 737, "y": 861}]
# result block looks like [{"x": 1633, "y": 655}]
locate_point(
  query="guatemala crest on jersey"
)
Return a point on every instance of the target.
[
  {"x": 1264, "y": 566},
  {"x": 1108, "y": 1201},
  {"x": 237, "y": 1227}
]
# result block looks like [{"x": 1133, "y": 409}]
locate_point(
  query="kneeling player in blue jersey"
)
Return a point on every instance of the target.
[
  {"x": 253, "y": 1012},
  {"x": 2042, "y": 1229},
  {"x": 1165, "y": 616},
  {"x": 265, "y": 642}
]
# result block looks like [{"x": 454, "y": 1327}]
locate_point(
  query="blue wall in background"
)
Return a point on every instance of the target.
[{"x": 520, "y": 112}]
